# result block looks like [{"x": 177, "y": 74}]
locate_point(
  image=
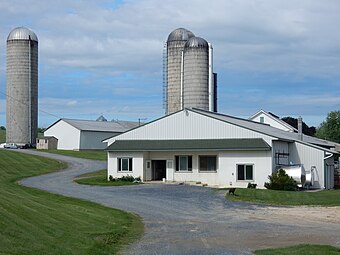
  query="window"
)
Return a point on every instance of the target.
[
  {"x": 262, "y": 119},
  {"x": 207, "y": 163},
  {"x": 125, "y": 164},
  {"x": 183, "y": 163},
  {"x": 245, "y": 172}
]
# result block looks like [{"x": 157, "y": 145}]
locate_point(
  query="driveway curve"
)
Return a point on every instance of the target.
[{"x": 182, "y": 219}]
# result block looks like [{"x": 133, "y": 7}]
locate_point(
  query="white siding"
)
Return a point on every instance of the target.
[
  {"x": 67, "y": 135},
  {"x": 189, "y": 125},
  {"x": 262, "y": 165},
  {"x": 272, "y": 121},
  {"x": 280, "y": 147},
  {"x": 137, "y": 164},
  {"x": 308, "y": 156},
  {"x": 224, "y": 176}
]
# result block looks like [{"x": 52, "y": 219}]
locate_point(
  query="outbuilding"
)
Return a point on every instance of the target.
[
  {"x": 73, "y": 134},
  {"x": 194, "y": 145},
  {"x": 47, "y": 143}
]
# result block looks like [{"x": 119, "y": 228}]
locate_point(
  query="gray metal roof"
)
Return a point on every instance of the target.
[
  {"x": 22, "y": 33},
  {"x": 180, "y": 34},
  {"x": 196, "y": 42},
  {"x": 103, "y": 126},
  {"x": 266, "y": 129},
  {"x": 183, "y": 145}
]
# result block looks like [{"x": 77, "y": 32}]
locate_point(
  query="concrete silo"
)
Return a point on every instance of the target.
[
  {"x": 175, "y": 46},
  {"x": 22, "y": 86},
  {"x": 196, "y": 74}
]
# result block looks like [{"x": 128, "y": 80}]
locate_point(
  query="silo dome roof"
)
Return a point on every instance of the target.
[
  {"x": 180, "y": 34},
  {"x": 196, "y": 42},
  {"x": 22, "y": 33}
]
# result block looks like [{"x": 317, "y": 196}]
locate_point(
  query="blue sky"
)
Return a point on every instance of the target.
[{"x": 105, "y": 57}]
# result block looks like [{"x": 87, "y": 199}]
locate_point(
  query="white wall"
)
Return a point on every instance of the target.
[
  {"x": 225, "y": 175},
  {"x": 271, "y": 121},
  {"x": 67, "y": 135},
  {"x": 137, "y": 164},
  {"x": 189, "y": 125},
  {"x": 308, "y": 156},
  {"x": 280, "y": 147}
]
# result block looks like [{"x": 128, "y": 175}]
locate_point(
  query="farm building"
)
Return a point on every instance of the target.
[
  {"x": 272, "y": 120},
  {"x": 47, "y": 143},
  {"x": 75, "y": 134},
  {"x": 195, "y": 145}
]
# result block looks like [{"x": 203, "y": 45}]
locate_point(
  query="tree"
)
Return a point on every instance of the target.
[
  {"x": 2, "y": 128},
  {"x": 330, "y": 128},
  {"x": 305, "y": 128}
]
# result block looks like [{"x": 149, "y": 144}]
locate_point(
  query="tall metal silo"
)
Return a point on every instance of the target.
[
  {"x": 22, "y": 86},
  {"x": 175, "y": 46},
  {"x": 196, "y": 74}
]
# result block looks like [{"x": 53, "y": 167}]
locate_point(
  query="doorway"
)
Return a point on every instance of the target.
[{"x": 158, "y": 170}]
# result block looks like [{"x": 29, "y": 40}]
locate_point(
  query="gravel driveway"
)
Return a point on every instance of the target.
[{"x": 181, "y": 219}]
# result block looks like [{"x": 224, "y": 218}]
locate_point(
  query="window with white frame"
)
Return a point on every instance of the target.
[
  {"x": 245, "y": 172},
  {"x": 208, "y": 163},
  {"x": 262, "y": 119},
  {"x": 124, "y": 164},
  {"x": 183, "y": 163}
]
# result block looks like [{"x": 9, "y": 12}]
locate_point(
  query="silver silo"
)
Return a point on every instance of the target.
[
  {"x": 22, "y": 86},
  {"x": 175, "y": 46},
  {"x": 196, "y": 74}
]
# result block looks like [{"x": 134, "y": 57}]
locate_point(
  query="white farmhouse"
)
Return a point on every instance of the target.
[
  {"x": 86, "y": 134},
  {"x": 200, "y": 146}
]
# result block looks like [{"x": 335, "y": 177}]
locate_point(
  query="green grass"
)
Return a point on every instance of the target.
[
  {"x": 275, "y": 197},
  {"x": 38, "y": 222},
  {"x": 89, "y": 154},
  {"x": 302, "y": 249},
  {"x": 100, "y": 178}
]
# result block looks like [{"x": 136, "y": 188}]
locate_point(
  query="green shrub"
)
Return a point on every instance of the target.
[
  {"x": 281, "y": 181},
  {"x": 127, "y": 178}
]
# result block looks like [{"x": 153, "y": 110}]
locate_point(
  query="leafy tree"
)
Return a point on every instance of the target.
[
  {"x": 305, "y": 128},
  {"x": 2, "y": 128},
  {"x": 41, "y": 130},
  {"x": 281, "y": 181},
  {"x": 330, "y": 128}
]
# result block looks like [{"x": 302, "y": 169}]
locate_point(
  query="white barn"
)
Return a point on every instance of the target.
[
  {"x": 200, "y": 146},
  {"x": 86, "y": 134}
]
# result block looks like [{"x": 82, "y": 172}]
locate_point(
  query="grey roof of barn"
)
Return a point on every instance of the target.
[
  {"x": 190, "y": 144},
  {"x": 118, "y": 126},
  {"x": 22, "y": 33}
]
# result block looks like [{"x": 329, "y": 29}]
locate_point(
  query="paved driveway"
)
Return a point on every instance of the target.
[{"x": 181, "y": 219}]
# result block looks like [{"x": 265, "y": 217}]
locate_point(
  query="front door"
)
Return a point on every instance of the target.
[{"x": 158, "y": 170}]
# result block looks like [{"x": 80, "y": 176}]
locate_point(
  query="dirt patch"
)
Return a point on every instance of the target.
[{"x": 301, "y": 215}]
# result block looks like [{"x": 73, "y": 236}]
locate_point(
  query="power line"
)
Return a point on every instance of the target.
[{"x": 24, "y": 103}]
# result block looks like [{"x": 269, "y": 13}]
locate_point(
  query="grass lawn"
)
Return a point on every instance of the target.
[
  {"x": 38, "y": 222},
  {"x": 303, "y": 249},
  {"x": 100, "y": 178},
  {"x": 90, "y": 154},
  {"x": 275, "y": 197}
]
